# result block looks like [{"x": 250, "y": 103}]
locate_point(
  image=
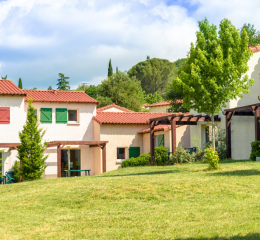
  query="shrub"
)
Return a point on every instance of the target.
[
  {"x": 212, "y": 157},
  {"x": 142, "y": 160},
  {"x": 16, "y": 169},
  {"x": 182, "y": 156},
  {"x": 160, "y": 155},
  {"x": 255, "y": 151}
]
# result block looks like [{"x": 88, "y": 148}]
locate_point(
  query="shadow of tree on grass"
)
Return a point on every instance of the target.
[
  {"x": 251, "y": 236},
  {"x": 242, "y": 173}
]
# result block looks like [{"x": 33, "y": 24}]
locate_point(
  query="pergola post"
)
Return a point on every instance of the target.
[
  {"x": 173, "y": 135},
  {"x": 152, "y": 142},
  {"x": 228, "y": 134},
  {"x": 104, "y": 159},
  {"x": 59, "y": 161},
  {"x": 257, "y": 124}
]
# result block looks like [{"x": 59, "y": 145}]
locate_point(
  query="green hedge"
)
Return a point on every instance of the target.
[
  {"x": 255, "y": 151},
  {"x": 160, "y": 155}
]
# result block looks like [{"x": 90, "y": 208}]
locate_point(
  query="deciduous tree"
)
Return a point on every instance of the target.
[
  {"x": 252, "y": 33},
  {"x": 214, "y": 71}
]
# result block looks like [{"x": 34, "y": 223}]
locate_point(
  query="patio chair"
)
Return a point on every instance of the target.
[{"x": 9, "y": 177}]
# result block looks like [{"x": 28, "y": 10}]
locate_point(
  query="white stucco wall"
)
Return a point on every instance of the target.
[
  {"x": 113, "y": 109},
  {"x": 159, "y": 109},
  {"x": 125, "y": 136}
]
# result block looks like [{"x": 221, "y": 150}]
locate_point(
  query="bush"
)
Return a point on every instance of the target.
[
  {"x": 160, "y": 155},
  {"x": 182, "y": 156},
  {"x": 142, "y": 160},
  {"x": 16, "y": 169},
  {"x": 212, "y": 158},
  {"x": 255, "y": 151}
]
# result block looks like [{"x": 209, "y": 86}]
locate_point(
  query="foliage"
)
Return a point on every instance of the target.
[
  {"x": 20, "y": 84},
  {"x": 142, "y": 160},
  {"x": 160, "y": 155},
  {"x": 182, "y": 156},
  {"x": 49, "y": 88},
  {"x": 121, "y": 90},
  {"x": 252, "y": 33},
  {"x": 4, "y": 78},
  {"x": 92, "y": 91},
  {"x": 63, "y": 83},
  {"x": 153, "y": 74},
  {"x": 213, "y": 73},
  {"x": 211, "y": 155},
  {"x": 153, "y": 98},
  {"x": 110, "y": 69},
  {"x": 255, "y": 150},
  {"x": 1, "y": 162},
  {"x": 31, "y": 150},
  {"x": 16, "y": 169},
  {"x": 221, "y": 146}
]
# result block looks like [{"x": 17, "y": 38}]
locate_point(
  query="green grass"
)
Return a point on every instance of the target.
[{"x": 173, "y": 202}]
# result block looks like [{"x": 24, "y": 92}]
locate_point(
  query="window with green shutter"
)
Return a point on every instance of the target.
[
  {"x": 61, "y": 115},
  {"x": 134, "y": 152},
  {"x": 161, "y": 140},
  {"x": 46, "y": 115}
]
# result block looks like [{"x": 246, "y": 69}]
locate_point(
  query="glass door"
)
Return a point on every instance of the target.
[{"x": 70, "y": 160}]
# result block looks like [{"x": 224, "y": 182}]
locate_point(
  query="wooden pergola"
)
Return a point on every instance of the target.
[
  {"x": 62, "y": 144},
  {"x": 249, "y": 110},
  {"x": 174, "y": 120}
]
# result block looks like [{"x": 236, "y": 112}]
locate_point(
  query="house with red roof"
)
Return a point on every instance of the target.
[{"x": 164, "y": 106}]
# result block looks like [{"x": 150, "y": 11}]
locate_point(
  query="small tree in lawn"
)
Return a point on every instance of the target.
[
  {"x": 31, "y": 150},
  {"x": 212, "y": 75},
  {"x": 63, "y": 83}
]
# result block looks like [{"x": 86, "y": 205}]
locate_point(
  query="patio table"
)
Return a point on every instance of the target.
[{"x": 87, "y": 172}]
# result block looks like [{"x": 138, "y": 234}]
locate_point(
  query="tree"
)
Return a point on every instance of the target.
[
  {"x": 214, "y": 71},
  {"x": 49, "y": 88},
  {"x": 153, "y": 74},
  {"x": 4, "y": 78},
  {"x": 121, "y": 90},
  {"x": 20, "y": 84},
  {"x": 153, "y": 98},
  {"x": 148, "y": 57},
  {"x": 92, "y": 91},
  {"x": 110, "y": 69},
  {"x": 31, "y": 150},
  {"x": 63, "y": 84},
  {"x": 252, "y": 33}
]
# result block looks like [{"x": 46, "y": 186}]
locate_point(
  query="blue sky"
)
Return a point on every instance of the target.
[{"x": 41, "y": 38}]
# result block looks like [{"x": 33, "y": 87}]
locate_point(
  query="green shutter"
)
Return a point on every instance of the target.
[
  {"x": 61, "y": 115},
  {"x": 46, "y": 115},
  {"x": 161, "y": 140},
  {"x": 134, "y": 152}
]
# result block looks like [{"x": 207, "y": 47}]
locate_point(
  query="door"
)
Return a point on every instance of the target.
[{"x": 70, "y": 160}]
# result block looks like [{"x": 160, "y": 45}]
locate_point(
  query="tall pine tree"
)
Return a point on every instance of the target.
[
  {"x": 20, "y": 84},
  {"x": 63, "y": 84},
  {"x": 50, "y": 88},
  {"x": 31, "y": 150},
  {"x": 110, "y": 69}
]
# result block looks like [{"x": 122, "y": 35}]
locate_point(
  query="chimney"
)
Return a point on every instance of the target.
[{"x": 55, "y": 91}]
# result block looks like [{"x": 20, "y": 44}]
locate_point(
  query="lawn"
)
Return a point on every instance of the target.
[{"x": 173, "y": 202}]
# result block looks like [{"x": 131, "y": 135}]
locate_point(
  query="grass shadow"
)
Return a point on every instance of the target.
[
  {"x": 251, "y": 236},
  {"x": 242, "y": 173},
  {"x": 140, "y": 174}
]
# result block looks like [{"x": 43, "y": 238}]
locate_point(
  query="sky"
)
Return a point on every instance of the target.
[{"x": 41, "y": 38}]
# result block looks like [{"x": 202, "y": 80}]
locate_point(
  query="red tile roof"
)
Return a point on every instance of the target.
[
  {"x": 254, "y": 49},
  {"x": 158, "y": 128},
  {"x": 7, "y": 87},
  {"x": 113, "y": 106},
  {"x": 127, "y": 118},
  {"x": 59, "y": 96},
  {"x": 164, "y": 103}
]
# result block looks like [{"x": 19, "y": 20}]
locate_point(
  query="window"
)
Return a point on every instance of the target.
[
  {"x": 72, "y": 115},
  {"x": 121, "y": 154},
  {"x": 160, "y": 140},
  {"x": 4, "y": 114},
  {"x": 46, "y": 115}
]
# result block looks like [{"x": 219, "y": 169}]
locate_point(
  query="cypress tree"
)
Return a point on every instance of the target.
[
  {"x": 31, "y": 150},
  {"x": 49, "y": 88},
  {"x": 110, "y": 69},
  {"x": 20, "y": 84},
  {"x": 116, "y": 69}
]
